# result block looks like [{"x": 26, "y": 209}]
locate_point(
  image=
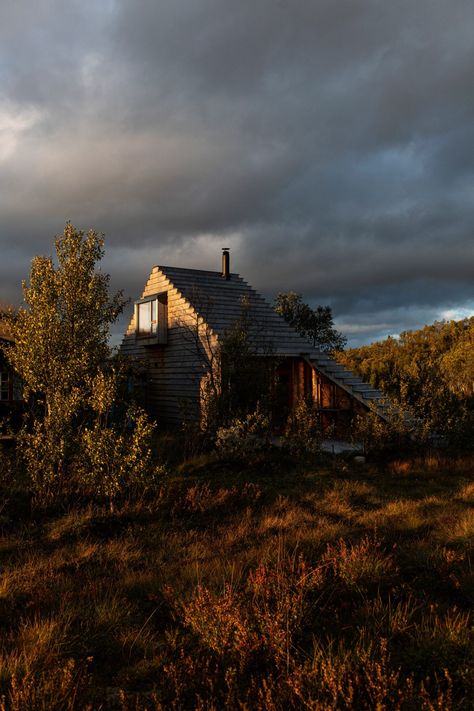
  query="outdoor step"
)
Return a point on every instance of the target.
[
  {"x": 328, "y": 364},
  {"x": 333, "y": 368},
  {"x": 346, "y": 377},
  {"x": 334, "y": 375},
  {"x": 323, "y": 359}
]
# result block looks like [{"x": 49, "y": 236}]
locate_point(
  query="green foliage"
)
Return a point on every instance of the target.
[
  {"x": 314, "y": 324},
  {"x": 384, "y": 437},
  {"x": 457, "y": 364},
  {"x": 116, "y": 460},
  {"x": 244, "y": 438},
  {"x": 61, "y": 335},
  {"x": 239, "y": 381},
  {"x": 47, "y": 446},
  {"x": 429, "y": 372},
  {"x": 303, "y": 433},
  {"x": 62, "y": 354}
]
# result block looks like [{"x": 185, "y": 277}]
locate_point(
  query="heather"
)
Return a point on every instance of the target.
[{"x": 286, "y": 582}]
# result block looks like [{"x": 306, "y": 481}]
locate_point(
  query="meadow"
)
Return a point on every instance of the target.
[{"x": 313, "y": 583}]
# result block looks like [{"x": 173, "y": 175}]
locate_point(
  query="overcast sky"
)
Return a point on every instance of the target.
[{"x": 329, "y": 144}]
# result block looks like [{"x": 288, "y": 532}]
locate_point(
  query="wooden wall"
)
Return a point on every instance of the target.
[
  {"x": 170, "y": 375},
  {"x": 335, "y": 404}
]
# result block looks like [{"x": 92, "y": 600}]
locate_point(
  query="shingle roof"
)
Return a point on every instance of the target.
[{"x": 219, "y": 302}]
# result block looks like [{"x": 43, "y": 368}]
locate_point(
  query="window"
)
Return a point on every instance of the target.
[
  {"x": 147, "y": 318},
  {"x": 4, "y": 386},
  {"x": 17, "y": 388},
  {"x": 151, "y": 319}
]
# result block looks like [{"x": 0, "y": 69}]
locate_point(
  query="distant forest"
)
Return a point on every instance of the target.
[{"x": 429, "y": 372}]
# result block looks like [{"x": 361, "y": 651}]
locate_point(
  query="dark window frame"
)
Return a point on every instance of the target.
[
  {"x": 157, "y": 334},
  {"x": 153, "y": 300},
  {"x": 5, "y": 386}
]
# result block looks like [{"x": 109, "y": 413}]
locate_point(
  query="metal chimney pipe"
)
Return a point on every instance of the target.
[{"x": 225, "y": 263}]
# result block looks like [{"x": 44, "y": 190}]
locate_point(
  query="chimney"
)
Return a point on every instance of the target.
[{"x": 225, "y": 263}]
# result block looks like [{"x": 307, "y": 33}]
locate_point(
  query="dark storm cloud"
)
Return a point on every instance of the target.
[{"x": 330, "y": 144}]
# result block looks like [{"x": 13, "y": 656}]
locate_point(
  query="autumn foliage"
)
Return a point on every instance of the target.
[
  {"x": 429, "y": 372},
  {"x": 68, "y": 441}
]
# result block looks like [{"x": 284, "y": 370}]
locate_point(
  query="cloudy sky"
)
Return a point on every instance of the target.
[{"x": 328, "y": 143}]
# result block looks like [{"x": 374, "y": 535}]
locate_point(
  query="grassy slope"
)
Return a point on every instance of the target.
[{"x": 280, "y": 586}]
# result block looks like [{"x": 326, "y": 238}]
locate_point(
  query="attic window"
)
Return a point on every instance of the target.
[
  {"x": 147, "y": 321},
  {"x": 151, "y": 319}
]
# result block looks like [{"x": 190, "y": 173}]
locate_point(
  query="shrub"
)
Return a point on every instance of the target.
[
  {"x": 264, "y": 619},
  {"x": 244, "y": 438},
  {"x": 117, "y": 461},
  {"x": 303, "y": 433},
  {"x": 360, "y": 566},
  {"x": 379, "y": 436}
]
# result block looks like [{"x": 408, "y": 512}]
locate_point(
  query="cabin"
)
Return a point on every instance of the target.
[
  {"x": 11, "y": 399},
  {"x": 174, "y": 334}
]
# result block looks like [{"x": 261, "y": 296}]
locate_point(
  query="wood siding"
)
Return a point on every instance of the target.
[{"x": 169, "y": 376}]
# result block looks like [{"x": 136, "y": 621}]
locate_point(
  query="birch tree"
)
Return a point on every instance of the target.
[{"x": 61, "y": 347}]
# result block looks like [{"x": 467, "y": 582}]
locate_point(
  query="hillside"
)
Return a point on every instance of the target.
[
  {"x": 430, "y": 372},
  {"x": 283, "y": 585}
]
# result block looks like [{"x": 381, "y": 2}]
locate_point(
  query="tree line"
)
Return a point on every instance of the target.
[{"x": 429, "y": 372}]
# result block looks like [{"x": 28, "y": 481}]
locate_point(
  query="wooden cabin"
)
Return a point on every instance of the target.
[
  {"x": 174, "y": 334},
  {"x": 11, "y": 399}
]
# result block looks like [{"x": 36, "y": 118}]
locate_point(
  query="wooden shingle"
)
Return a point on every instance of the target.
[{"x": 204, "y": 299}]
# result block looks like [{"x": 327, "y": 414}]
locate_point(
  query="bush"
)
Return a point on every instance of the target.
[
  {"x": 244, "y": 438},
  {"x": 303, "y": 432},
  {"x": 117, "y": 461},
  {"x": 378, "y": 436}
]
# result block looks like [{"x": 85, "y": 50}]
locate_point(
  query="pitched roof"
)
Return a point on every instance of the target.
[
  {"x": 220, "y": 302},
  {"x": 5, "y": 333}
]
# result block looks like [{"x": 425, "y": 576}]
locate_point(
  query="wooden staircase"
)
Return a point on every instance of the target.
[{"x": 352, "y": 384}]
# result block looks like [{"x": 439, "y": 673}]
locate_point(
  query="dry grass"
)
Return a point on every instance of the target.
[{"x": 285, "y": 586}]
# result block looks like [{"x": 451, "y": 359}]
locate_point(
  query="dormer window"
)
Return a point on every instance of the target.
[
  {"x": 147, "y": 318},
  {"x": 151, "y": 319}
]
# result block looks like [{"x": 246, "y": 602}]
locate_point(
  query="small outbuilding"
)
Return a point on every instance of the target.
[{"x": 11, "y": 398}]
